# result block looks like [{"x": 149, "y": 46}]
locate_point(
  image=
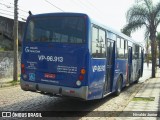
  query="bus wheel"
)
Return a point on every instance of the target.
[{"x": 118, "y": 86}]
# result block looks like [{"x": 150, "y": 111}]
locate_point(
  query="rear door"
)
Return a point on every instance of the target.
[{"x": 109, "y": 66}]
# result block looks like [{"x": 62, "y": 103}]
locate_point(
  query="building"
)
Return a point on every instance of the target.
[{"x": 6, "y": 33}]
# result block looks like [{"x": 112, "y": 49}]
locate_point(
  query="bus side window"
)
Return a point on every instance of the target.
[
  {"x": 95, "y": 41},
  {"x": 98, "y": 43},
  {"x": 134, "y": 49},
  {"x": 120, "y": 48},
  {"x": 136, "y": 52},
  {"x": 140, "y": 52},
  {"x": 126, "y": 49},
  {"x": 102, "y": 43}
]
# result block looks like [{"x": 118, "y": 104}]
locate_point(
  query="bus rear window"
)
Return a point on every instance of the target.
[{"x": 56, "y": 29}]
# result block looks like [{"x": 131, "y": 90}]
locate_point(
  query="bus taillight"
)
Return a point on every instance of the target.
[
  {"x": 81, "y": 77},
  {"x": 22, "y": 68},
  {"x": 83, "y": 71}
]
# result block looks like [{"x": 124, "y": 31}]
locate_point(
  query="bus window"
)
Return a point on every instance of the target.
[
  {"x": 136, "y": 52},
  {"x": 120, "y": 48},
  {"x": 118, "y": 42},
  {"x": 56, "y": 29},
  {"x": 111, "y": 35},
  {"x": 95, "y": 42},
  {"x": 102, "y": 44},
  {"x": 140, "y": 51},
  {"x": 126, "y": 48},
  {"x": 122, "y": 43},
  {"x": 98, "y": 43},
  {"x": 133, "y": 51}
]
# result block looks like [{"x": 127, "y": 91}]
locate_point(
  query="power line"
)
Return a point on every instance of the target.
[
  {"x": 91, "y": 4},
  {"x": 54, "y": 6},
  {"x": 12, "y": 15},
  {"x": 12, "y": 12},
  {"x": 7, "y": 11},
  {"x": 9, "y": 6},
  {"x": 13, "y": 6},
  {"x": 6, "y": 14},
  {"x": 86, "y": 6},
  {"x": 6, "y": 5},
  {"x": 7, "y": 2}
]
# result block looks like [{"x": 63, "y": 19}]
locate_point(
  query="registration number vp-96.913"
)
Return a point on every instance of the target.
[{"x": 50, "y": 58}]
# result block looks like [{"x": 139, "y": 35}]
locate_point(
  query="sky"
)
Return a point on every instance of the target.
[{"x": 108, "y": 12}]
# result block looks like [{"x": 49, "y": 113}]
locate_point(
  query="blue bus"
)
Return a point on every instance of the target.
[{"x": 69, "y": 54}]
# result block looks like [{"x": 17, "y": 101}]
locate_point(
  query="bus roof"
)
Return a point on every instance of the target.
[{"x": 58, "y": 14}]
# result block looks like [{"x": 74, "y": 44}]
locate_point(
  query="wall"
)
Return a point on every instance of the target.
[{"x": 6, "y": 64}]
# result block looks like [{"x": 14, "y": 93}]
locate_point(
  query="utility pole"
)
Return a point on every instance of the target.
[{"x": 15, "y": 32}]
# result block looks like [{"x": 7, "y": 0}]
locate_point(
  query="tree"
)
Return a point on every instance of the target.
[
  {"x": 158, "y": 40},
  {"x": 15, "y": 30},
  {"x": 147, "y": 52},
  {"x": 145, "y": 14}
]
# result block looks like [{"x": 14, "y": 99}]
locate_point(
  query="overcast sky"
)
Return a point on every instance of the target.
[{"x": 109, "y": 12}]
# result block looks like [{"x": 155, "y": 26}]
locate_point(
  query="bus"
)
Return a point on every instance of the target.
[{"x": 69, "y": 54}]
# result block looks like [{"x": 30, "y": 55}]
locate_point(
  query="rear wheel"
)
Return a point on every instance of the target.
[{"x": 118, "y": 86}]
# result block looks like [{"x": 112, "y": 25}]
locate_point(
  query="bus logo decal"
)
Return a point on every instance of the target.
[
  {"x": 27, "y": 49},
  {"x": 32, "y": 50},
  {"x": 98, "y": 68}
]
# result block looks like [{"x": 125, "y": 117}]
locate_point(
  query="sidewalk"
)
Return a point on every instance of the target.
[
  {"x": 146, "y": 102},
  {"x": 6, "y": 82}
]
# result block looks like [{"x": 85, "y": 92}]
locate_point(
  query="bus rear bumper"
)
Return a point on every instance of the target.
[{"x": 81, "y": 92}]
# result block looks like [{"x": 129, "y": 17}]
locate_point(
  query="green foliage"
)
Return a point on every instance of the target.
[
  {"x": 142, "y": 14},
  {"x": 145, "y": 14},
  {"x": 14, "y": 82},
  {"x": 145, "y": 99}
]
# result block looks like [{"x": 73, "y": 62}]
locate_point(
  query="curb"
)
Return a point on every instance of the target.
[{"x": 2, "y": 85}]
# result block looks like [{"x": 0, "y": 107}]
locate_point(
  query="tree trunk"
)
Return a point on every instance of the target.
[
  {"x": 153, "y": 50},
  {"x": 159, "y": 53},
  {"x": 147, "y": 53}
]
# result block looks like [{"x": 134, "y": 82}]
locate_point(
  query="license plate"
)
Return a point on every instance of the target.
[{"x": 48, "y": 75}]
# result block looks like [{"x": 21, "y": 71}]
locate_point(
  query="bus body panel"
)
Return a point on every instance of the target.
[
  {"x": 57, "y": 66},
  {"x": 121, "y": 69},
  {"x": 97, "y": 78}
]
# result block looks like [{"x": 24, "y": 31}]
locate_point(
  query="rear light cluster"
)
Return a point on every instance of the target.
[
  {"x": 81, "y": 76},
  {"x": 22, "y": 68}
]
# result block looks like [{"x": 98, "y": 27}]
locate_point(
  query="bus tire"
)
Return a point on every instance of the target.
[{"x": 118, "y": 86}]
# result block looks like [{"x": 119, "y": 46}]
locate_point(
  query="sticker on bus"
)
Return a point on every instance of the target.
[
  {"x": 32, "y": 76},
  {"x": 98, "y": 68},
  {"x": 67, "y": 69},
  {"x": 50, "y": 58},
  {"x": 31, "y": 49},
  {"x": 49, "y": 75}
]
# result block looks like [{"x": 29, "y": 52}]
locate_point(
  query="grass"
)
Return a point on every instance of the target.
[
  {"x": 145, "y": 99},
  {"x": 14, "y": 82},
  {"x": 2, "y": 49}
]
